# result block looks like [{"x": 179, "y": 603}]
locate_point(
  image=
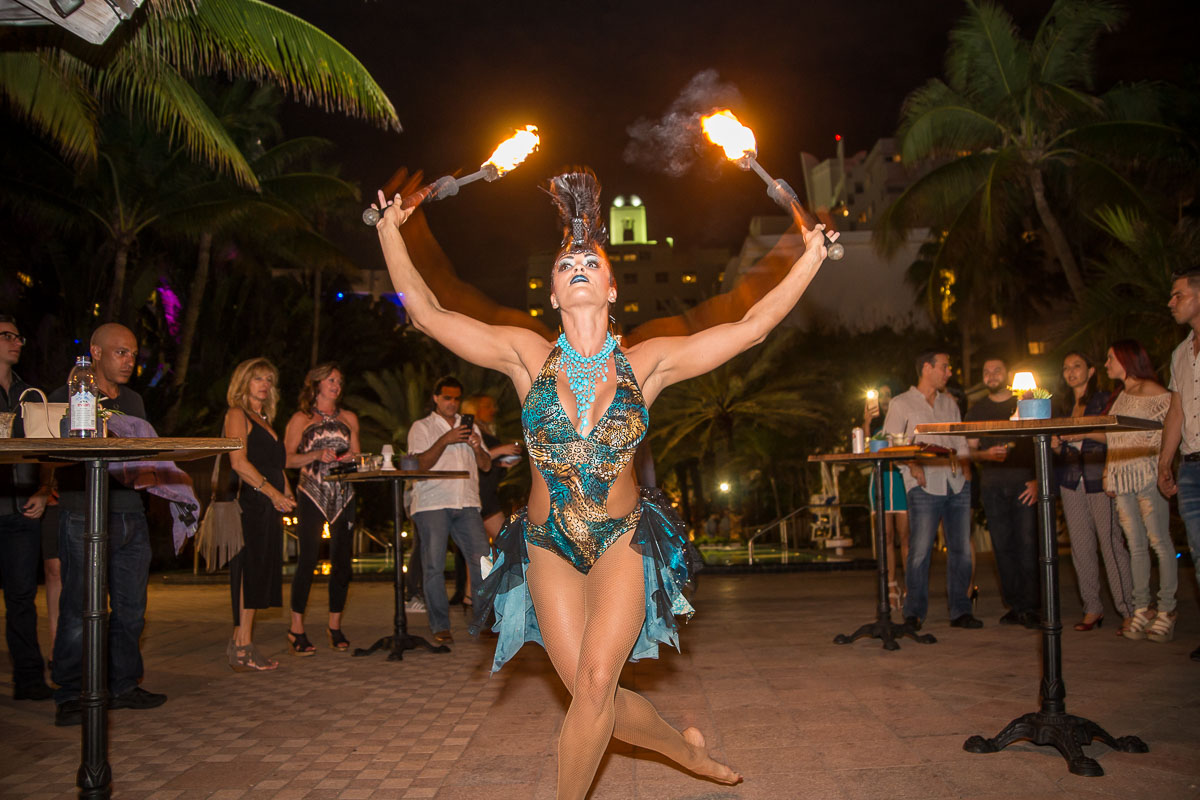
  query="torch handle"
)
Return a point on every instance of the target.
[
  {"x": 785, "y": 196},
  {"x": 442, "y": 187}
]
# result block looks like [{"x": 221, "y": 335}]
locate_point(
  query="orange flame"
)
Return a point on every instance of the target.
[
  {"x": 515, "y": 149},
  {"x": 724, "y": 130}
]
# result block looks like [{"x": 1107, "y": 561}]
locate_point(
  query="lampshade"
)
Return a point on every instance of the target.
[{"x": 1023, "y": 382}]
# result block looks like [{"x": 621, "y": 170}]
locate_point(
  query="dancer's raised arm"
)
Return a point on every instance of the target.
[
  {"x": 499, "y": 347},
  {"x": 671, "y": 359}
]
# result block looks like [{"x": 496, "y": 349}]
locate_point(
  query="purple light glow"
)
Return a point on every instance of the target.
[{"x": 171, "y": 308}]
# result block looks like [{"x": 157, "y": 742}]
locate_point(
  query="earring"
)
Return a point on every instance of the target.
[{"x": 612, "y": 327}]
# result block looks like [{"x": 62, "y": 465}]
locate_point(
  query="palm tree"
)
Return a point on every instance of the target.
[
  {"x": 716, "y": 418},
  {"x": 1015, "y": 124},
  {"x": 60, "y": 85}
]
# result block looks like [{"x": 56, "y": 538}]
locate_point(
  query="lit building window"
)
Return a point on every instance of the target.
[
  {"x": 946, "y": 292},
  {"x": 25, "y": 278},
  {"x": 1028, "y": 237},
  {"x": 536, "y": 283},
  {"x": 536, "y": 311},
  {"x": 721, "y": 276},
  {"x": 997, "y": 321},
  {"x": 1037, "y": 348},
  {"x": 629, "y": 257},
  {"x": 688, "y": 277},
  {"x": 631, "y": 307}
]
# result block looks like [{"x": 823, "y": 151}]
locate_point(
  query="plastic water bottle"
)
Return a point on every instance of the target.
[{"x": 83, "y": 395}]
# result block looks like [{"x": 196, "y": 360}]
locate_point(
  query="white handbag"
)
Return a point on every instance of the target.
[{"x": 41, "y": 420}]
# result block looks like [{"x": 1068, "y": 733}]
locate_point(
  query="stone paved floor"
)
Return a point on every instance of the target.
[{"x": 797, "y": 715}]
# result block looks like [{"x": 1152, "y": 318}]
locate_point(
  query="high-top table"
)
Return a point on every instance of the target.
[
  {"x": 882, "y": 628},
  {"x": 95, "y": 773},
  {"x": 1051, "y": 724},
  {"x": 399, "y": 640}
]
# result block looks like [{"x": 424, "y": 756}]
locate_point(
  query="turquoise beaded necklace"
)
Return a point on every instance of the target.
[{"x": 582, "y": 373}]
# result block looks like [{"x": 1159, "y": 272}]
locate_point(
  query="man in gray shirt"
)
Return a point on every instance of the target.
[
  {"x": 938, "y": 492},
  {"x": 1181, "y": 428}
]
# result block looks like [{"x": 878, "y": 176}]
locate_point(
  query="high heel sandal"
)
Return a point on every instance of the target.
[
  {"x": 247, "y": 658},
  {"x": 299, "y": 645},
  {"x": 1161, "y": 628},
  {"x": 337, "y": 640},
  {"x": 1087, "y": 626},
  {"x": 894, "y": 595},
  {"x": 1135, "y": 627}
]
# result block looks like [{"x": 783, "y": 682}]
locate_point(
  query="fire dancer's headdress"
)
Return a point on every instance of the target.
[{"x": 577, "y": 197}]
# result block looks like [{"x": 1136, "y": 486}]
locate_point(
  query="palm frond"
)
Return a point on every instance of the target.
[
  {"x": 1064, "y": 47},
  {"x": 310, "y": 189},
  {"x": 936, "y": 120},
  {"x": 287, "y": 154},
  {"x": 260, "y": 41},
  {"x": 933, "y": 199},
  {"x": 987, "y": 60},
  {"x": 169, "y": 103},
  {"x": 51, "y": 101}
]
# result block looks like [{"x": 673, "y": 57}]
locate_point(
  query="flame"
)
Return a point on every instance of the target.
[
  {"x": 515, "y": 149},
  {"x": 724, "y": 130}
]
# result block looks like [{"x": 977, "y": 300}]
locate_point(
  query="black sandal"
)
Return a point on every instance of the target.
[
  {"x": 299, "y": 645},
  {"x": 337, "y": 640}
]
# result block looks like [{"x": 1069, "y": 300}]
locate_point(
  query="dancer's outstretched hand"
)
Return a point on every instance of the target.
[
  {"x": 393, "y": 214},
  {"x": 815, "y": 240}
]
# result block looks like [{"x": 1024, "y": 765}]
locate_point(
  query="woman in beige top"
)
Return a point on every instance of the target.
[{"x": 1130, "y": 476}]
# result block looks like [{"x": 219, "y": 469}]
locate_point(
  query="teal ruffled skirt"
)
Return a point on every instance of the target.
[{"x": 668, "y": 563}]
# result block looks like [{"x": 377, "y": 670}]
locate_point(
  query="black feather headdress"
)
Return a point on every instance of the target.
[{"x": 577, "y": 197}]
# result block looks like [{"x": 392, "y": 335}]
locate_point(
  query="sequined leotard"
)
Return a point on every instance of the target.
[{"x": 579, "y": 472}]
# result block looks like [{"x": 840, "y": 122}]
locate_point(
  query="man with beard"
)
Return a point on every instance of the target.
[
  {"x": 1008, "y": 492},
  {"x": 939, "y": 491}
]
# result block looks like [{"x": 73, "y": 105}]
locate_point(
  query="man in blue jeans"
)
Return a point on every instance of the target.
[
  {"x": 444, "y": 509},
  {"x": 938, "y": 492},
  {"x": 114, "y": 356},
  {"x": 1181, "y": 428}
]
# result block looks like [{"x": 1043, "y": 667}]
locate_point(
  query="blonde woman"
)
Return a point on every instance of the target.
[{"x": 256, "y": 572}]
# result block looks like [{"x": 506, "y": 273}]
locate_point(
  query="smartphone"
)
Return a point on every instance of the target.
[
  {"x": 872, "y": 403},
  {"x": 467, "y": 421}
]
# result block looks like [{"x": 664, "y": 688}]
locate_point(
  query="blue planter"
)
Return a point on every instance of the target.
[
  {"x": 1033, "y": 409},
  {"x": 877, "y": 444}
]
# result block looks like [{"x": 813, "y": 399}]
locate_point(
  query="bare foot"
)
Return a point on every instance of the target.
[{"x": 703, "y": 764}]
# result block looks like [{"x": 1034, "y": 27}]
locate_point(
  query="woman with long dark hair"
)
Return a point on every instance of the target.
[
  {"x": 1130, "y": 476},
  {"x": 593, "y": 569},
  {"x": 1091, "y": 518},
  {"x": 318, "y": 435}
]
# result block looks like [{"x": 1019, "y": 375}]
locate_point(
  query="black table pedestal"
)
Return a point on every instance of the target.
[
  {"x": 883, "y": 628},
  {"x": 399, "y": 640},
  {"x": 1052, "y": 725}
]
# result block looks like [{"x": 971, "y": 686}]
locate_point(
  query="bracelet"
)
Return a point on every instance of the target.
[{"x": 261, "y": 484}]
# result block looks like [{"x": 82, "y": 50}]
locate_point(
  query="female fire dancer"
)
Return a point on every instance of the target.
[{"x": 601, "y": 566}]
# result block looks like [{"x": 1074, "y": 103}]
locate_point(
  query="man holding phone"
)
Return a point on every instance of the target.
[{"x": 444, "y": 509}]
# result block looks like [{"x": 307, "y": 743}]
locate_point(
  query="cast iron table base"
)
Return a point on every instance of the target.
[{"x": 1064, "y": 732}]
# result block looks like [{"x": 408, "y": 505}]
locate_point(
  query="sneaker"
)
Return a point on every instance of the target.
[
  {"x": 137, "y": 697},
  {"x": 913, "y": 622},
  {"x": 965, "y": 621},
  {"x": 415, "y": 606},
  {"x": 33, "y": 691},
  {"x": 443, "y": 637},
  {"x": 68, "y": 714}
]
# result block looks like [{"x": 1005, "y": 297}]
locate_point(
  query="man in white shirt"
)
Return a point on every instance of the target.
[
  {"x": 938, "y": 491},
  {"x": 442, "y": 509},
  {"x": 1181, "y": 428}
]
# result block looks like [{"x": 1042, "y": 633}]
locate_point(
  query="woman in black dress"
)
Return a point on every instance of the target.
[{"x": 255, "y": 573}]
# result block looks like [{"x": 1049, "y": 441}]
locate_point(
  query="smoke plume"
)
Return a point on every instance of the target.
[{"x": 671, "y": 144}]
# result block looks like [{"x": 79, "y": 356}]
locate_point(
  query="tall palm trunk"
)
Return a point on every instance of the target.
[
  {"x": 1058, "y": 239},
  {"x": 316, "y": 326},
  {"x": 191, "y": 318},
  {"x": 116, "y": 294}
]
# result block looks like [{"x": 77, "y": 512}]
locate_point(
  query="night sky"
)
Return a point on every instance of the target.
[{"x": 463, "y": 74}]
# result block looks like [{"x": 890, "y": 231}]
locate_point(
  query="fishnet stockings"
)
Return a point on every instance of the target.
[{"x": 589, "y": 624}]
